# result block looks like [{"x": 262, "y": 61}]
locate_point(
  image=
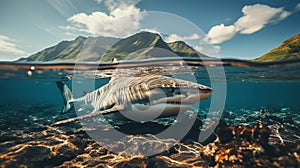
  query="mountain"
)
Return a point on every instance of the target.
[
  {"x": 142, "y": 45},
  {"x": 288, "y": 50},
  {"x": 139, "y": 46}
]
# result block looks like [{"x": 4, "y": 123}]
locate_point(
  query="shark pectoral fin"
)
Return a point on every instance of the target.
[{"x": 91, "y": 115}]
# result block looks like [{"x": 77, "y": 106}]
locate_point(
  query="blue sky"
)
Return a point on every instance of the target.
[{"x": 237, "y": 29}]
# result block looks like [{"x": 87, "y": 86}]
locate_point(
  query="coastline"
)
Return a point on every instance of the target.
[{"x": 148, "y": 62}]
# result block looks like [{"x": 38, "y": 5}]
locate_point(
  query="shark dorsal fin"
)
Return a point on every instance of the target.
[
  {"x": 112, "y": 78},
  {"x": 114, "y": 60}
]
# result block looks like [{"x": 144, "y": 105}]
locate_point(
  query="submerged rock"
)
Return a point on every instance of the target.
[{"x": 248, "y": 146}]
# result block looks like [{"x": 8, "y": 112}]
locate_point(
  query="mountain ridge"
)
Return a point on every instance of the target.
[
  {"x": 287, "y": 50},
  {"x": 143, "y": 45}
]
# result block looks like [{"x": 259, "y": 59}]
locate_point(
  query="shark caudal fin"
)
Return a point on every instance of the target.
[{"x": 67, "y": 96}]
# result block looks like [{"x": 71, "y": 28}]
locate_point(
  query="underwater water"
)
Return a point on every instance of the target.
[{"x": 259, "y": 124}]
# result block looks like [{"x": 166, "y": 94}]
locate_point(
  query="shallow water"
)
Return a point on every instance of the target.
[{"x": 259, "y": 124}]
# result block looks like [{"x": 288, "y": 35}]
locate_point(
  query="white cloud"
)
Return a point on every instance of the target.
[
  {"x": 228, "y": 19},
  {"x": 7, "y": 45},
  {"x": 217, "y": 48},
  {"x": 210, "y": 51},
  {"x": 257, "y": 16},
  {"x": 122, "y": 21},
  {"x": 254, "y": 18},
  {"x": 72, "y": 29},
  {"x": 176, "y": 37},
  {"x": 297, "y": 8},
  {"x": 153, "y": 30},
  {"x": 67, "y": 28},
  {"x": 99, "y": 1},
  {"x": 114, "y": 4},
  {"x": 220, "y": 33},
  {"x": 284, "y": 15}
]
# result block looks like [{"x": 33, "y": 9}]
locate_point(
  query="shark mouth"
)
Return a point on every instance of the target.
[{"x": 185, "y": 96}]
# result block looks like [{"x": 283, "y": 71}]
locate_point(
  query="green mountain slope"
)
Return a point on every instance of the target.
[
  {"x": 288, "y": 50},
  {"x": 64, "y": 50},
  {"x": 142, "y": 45},
  {"x": 138, "y": 46},
  {"x": 80, "y": 49},
  {"x": 181, "y": 48}
]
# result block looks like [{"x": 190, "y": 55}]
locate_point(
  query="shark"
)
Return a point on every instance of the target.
[{"x": 137, "y": 98}]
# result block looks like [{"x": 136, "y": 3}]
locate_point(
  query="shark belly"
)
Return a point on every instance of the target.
[{"x": 142, "y": 113}]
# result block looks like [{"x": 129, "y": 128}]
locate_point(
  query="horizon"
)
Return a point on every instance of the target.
[{"x": 237, "y": 30}]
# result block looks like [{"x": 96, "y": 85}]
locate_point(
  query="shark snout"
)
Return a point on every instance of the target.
[{"x": 205, "y": 92}]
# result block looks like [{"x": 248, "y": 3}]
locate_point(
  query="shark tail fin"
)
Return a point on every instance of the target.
[{"x": 67, "y": 96}]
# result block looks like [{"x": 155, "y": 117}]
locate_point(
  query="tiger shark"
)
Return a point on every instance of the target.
[{"x": 135, "y": 98}]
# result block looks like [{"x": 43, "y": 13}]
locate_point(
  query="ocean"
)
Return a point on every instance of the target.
[{"x": 251, "y": 119}]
